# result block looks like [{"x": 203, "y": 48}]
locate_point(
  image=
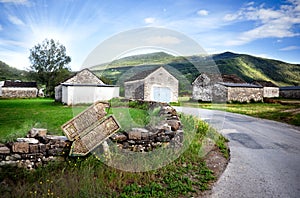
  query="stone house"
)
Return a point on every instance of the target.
[
  {"x": 152, "y": 85},
  {"x": 83, "y": 88},
  {"x": 224, "y": 88},
  {"x": 11, "y": 89},
  {"x": 290, "y": 92},
  {"x": 270, "y": 90}
]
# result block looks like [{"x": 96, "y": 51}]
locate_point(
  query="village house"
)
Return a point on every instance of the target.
[
  {"x": 18, "y": 89},
  {"x": 292, "y": 92},
  {"x": 152, "y": 85},
  {"x": 84, "y": 87},
  {"x": 225, "y": 88},
  {"x": 270, "y": 90}
]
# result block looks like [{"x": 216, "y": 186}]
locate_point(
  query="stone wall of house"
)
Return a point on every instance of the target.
[
  {"x": 202, "y": 93},
  {"x": 134, "y": 90},
  {"x": 293, "y": 94},
  {"x": 161, "y": 78},
  {"x": 36, "y": 149},
  {"x": 271, "y": 92},
  {"x": 15, "y": 92},
  {"x": 84, "y": 77},
  {"x": 245, "y": 94}
]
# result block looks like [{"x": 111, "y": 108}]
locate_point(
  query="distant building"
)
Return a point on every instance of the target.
[
  {"x": 270, "y": 89},
  {"x": 84, "y": 87},
  {"x": 11, "y": 89},
  {"x": 290, "y": 92},
  {"x": 153, "y": 85},
  {"x": 225, "y": 88}
]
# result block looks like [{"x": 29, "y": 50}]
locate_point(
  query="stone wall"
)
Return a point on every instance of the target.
[
  {"x": 36, "y": 149},
  {"x": 245, "y": 94},
  {"x": 15, "y": 92},
  {"x": 134, "y": 90},
  {"x": 271, "y": 92},
  {"x": 293, "y": 94}
]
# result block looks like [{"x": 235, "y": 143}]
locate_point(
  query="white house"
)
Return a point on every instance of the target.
[
  {"x": 84, "y": 87},
  {"x": 270, "y": 89}
]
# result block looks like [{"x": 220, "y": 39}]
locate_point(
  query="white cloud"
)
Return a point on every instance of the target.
[
  {"x": 149, "y": 20},
  {"x": 202, "y": 12},
  {"x": 23, "y": 2},
  {"x": 289, "y": 48},
  {"x": 270, "y": 23},
  {"x": 15, "y": 20}
]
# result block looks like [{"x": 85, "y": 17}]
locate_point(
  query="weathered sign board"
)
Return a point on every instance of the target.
[{"x": 89, "y": 129}]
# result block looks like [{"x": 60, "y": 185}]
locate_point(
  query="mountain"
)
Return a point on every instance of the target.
[
  {"x": 10, "y": 73},
  {"x": 245, "y": 66}
]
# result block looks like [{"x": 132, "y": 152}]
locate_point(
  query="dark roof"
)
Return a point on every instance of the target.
[
  {"x": 264, "y": 83},
  {"x": 290, "y": 88},
  {"x": 19, "y": 84},
  {"x": 142, "y": 75},
  {"x": 239, "y": 85}
]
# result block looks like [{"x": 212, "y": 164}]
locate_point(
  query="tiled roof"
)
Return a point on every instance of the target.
[
  {"x": 290, "y": 88},
  {"x": 19, "y": 84},
  {"x": 239, "y": 85}
]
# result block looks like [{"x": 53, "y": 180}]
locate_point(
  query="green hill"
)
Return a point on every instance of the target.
[
  {"x": 10, "y": 73},
  {"x": 245, "y": 66}
]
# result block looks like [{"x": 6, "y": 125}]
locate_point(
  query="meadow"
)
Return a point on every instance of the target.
[{"x": 88, "y": 176}]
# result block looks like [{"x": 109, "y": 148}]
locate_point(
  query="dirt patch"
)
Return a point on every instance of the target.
[{"x": 216, "y": 162}]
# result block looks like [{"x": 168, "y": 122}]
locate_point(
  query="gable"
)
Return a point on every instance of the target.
[
  {"x": 84, "y": 77},
  {"x": 161, "y": 72}
]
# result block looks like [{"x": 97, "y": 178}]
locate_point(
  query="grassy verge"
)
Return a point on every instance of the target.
[
  {"x": 283, "y": 113},
  {"x": 88, "y": 177}
]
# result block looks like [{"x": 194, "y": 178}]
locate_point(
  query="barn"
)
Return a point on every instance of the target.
[
  {"x": 292, "y": 92},
  {"x": 18, "y": 89},
  {"x": 270, "y": 89},
  {"x": 84, "y": 87},
  {"x": 152, "y": 85},
  {"x": 225, "y": 88}
]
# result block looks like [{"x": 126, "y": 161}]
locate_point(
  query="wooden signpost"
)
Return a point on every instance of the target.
[{"x": 89, "y": 129}]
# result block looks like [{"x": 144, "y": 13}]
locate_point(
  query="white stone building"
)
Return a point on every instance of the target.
[
  {"x": 84, "y": 88},
  {"x": 11, "y": 89},
  {"x": 152, "y": 85}
]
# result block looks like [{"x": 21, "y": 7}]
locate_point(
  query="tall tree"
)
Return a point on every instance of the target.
[{"x": 49, "y": 64}]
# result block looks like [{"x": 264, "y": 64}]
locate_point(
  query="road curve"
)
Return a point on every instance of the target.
[{"x": 265, "y": 155}]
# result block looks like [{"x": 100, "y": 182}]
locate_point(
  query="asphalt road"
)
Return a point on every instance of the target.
[{"x": 265, "y": 155}]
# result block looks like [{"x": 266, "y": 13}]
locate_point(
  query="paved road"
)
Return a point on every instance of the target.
[{"x": 265, "y": 155}]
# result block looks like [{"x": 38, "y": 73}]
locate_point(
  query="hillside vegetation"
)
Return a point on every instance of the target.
[
  {"x": 245, "y": 66},
  {"x": 10, "y": 73}
]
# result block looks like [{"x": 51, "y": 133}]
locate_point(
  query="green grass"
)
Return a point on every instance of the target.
[
  {"x": 271, "y": 111},
  {"x": 186, "y": 176},
  {"x": 18, "y": 116}
]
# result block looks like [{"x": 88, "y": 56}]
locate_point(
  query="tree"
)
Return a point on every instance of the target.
[{"x": 49, "y": 64}]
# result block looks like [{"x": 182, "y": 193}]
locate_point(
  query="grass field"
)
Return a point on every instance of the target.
[
  {"x": 289, "y": 113},
  {"x": 88, "y": 177}
]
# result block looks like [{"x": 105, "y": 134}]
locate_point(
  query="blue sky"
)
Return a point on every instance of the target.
[{"x": 266, "y": 28}]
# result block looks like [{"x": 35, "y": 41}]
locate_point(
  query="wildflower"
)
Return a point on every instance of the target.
[{"x": 41, "y": 182}]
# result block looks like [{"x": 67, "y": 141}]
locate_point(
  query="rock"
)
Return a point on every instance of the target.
[
  {"x": 16, "y": 156},
  {"x": 175, "y": 124},
  {"x": 42, "y": 148},
  {"x": 119, "y": 137},
  {"x": 135, "y": 135},
  {"x": 34, "y": 132},
  {"x": 28, "y": 140},
  {"x": 34, "y": 148},
  {"x": 4, "y": 150},
  {"x": 20, "y": 147}
]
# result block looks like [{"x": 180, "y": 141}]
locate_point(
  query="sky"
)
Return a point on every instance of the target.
[{"x": 269, "y": 28}]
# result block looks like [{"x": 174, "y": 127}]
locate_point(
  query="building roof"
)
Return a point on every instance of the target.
[
  {"x": 19, "y": 84},
  {"x": 239, "y": 85},
  {"x": 290, "y": 88},
  {"x": 264, "y": 83},
  {"x": 84, "y": 76},
  {"x": 226, "y": 78},
  {"x": 142, "y": 75}
]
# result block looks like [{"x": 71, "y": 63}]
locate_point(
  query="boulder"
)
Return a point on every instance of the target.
[{"x": 20, "y": 147}]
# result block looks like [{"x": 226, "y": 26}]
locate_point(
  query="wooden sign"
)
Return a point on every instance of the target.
[{"x": 89, "y": 129}]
